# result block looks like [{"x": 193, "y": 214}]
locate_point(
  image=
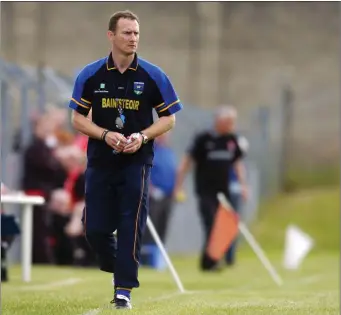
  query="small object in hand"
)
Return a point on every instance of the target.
[
  {"x": 133, "y": 137},
  {"x": 181, "y": 196}
]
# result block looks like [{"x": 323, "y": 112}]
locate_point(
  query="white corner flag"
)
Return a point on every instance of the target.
[{"x": 297, "y": 246}]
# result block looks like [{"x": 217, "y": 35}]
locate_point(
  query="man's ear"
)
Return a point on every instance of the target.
[{"x": 111, "y": 34}]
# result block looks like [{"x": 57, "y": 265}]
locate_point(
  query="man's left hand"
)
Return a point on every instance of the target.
[{"x": 134, "y": 143}]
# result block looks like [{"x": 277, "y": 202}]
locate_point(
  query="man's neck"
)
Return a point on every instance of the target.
[{"x": 122, "y": 62}]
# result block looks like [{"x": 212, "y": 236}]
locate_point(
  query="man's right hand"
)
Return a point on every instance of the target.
[
  {"x": 179, "y": 194},
  {"x": 116, "y": 140}
]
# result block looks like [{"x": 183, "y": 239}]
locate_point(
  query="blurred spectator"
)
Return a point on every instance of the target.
[
  {"x": 60, "y": 135},
  {"x": 214, "y": 153},
  {"x": 60, "y": 207},
  {"x": 81, "y": 142},
  {"x": 61, "y": 247},
  {"x": 41, "y": 175},
  {"x": 82, "y": 253},
  {"x": 9, "y": 230},
  {"x": 162, "y": 182},
  {"x": 67, "y": 206},
  {"x": 58, "y": 117}
]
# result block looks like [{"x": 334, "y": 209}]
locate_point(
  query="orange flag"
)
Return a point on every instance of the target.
[{"x": 223, "y": 233}]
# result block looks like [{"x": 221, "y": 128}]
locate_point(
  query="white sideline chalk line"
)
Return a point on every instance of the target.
[
  {"x": 245, "y": 287},
  {"x": 51, "y": 285},
  {"x": 164, "y": 297},
  {"x": 63, "y": 271},
  {"x": 93, "y": 312},
  {"x": 96, "y": 311},
  {"x": 311, "y": 279},
  {"x": 306, "y": 280}
]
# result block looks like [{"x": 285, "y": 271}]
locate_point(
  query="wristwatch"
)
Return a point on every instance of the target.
[{"x": 144, "y": 138}]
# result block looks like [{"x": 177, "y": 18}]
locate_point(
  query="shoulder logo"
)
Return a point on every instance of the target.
[{"x": 138, "y": 88}]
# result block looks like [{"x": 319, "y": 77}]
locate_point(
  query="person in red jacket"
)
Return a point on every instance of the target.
[
  {"x": 62, "y": 203},
  {"x": 70, "y": 246},
  {"x": 42, "y": 174}
]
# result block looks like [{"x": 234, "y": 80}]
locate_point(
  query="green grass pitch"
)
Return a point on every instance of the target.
[{"x": 244, "y": 289}]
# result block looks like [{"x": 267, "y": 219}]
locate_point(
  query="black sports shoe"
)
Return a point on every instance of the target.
[{"x": 121, "y": 302}]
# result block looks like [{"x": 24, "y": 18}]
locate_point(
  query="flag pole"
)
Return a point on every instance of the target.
[
  {"x": 253, "y": 243},
  {"x": 165, "y": 255}
]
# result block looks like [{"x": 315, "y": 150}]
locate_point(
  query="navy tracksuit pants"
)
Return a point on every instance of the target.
[{"x": 116, "y": 199}]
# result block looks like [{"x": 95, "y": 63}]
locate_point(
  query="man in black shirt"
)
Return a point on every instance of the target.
[
  {"x": 213, "y": 153},
  {"x": 122, "y": 90}
]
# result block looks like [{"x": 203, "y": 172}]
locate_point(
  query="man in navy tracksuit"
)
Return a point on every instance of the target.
[{"x": 122, "y": 90}]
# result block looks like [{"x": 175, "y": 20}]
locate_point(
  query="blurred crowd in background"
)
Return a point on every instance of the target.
[{"x": 54, "y": 162}]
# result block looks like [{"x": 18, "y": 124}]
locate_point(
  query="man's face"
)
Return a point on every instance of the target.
[
  {"x": 45, "y": 125},
  {"x": 126, "y": 36},
  {"x": 225, "y": 124}
]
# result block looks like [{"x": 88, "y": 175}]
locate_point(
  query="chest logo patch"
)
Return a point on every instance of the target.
[
  {"x": 101, "y": 89},
  {"x": 138, "y": 88}
]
